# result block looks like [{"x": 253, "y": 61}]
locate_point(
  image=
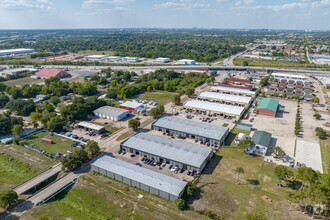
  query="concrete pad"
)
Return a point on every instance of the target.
[{"x": 310, "y": 154}]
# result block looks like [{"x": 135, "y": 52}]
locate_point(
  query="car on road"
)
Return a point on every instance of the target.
[{"x": 138, "y": 164}]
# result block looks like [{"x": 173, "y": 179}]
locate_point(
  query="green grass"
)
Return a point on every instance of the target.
[
  {"x": 225, "y": 125},
  {"x": 95, "y": 52},
  {"x": 108, "y": 127},
  {"x": 274, "y": 63},
  {"x": 325, "y": 153},
  {"x": 99, "y": 197},
  {"x": 157, "y": 96},
  {"x": 22, "y": 81},
  {"x": 233, "y": 134},
  {"x": 60, "y": 144},
  {"x": 219, "y": 192}
]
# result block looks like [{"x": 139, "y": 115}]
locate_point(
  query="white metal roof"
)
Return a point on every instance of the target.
[
  {"x": 96, "y": 56},
  {"x": 226, "y": 97},
  {"x": 15, "y": 50},
  {"x": 90, "y": 125},
  {"x": 111, "y": 111},
  {"x": 288, "y": 75},
  {"x": 186, "y": 153},
  {"x": 192, "y": 127},
  {"x": 186, "y": 60},
  {"x": 130, "y": 104},
  {"x": 231, "y": 89},
  {"x": 145, "y": 176},
  {"x": 213, "y": 106}
]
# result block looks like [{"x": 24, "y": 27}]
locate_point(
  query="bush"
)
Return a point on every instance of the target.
[
  {"x": 208, "y": 213},
  {"x": 180, "y": 204}
]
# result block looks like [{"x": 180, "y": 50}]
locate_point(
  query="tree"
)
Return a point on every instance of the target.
[
  {"x": 134, "y": 123},
  {"x": 7, "y": 198},
  {"x": 74, "y": 160},
  {"x": 55, "y": 124},
  {"x": 284, "y": 96},
  {"x": 317, "y": 116},
  {"x": 263, "y": 81},
  {"x": 189, "y": 91},
  {"x": 176, "y": 99},
  {"x": 157, "y": 111},
  {"x": 21, "y": 106},
  {"x": 93, "y": 148},
  {"x": 17, "y": 130},
  {"x": 244, "y": 144},
  {"x": 282, "y": 172},
  {"x": 321, "y": 133},
  {"x": 263, "y": 94},
  {"x": 180, "y": 204},
  {"x": 239, "y": 170},
  {"x": 208, "y": 213},
  {"x": 112, "y": 94},
  {"x": 3, "y": 100},
  {"x": 55, "y": 100},
  {"x": 316, "y": 99},
  {"x": 278, "y": 152},
  {"x": 245, "y": 63}
]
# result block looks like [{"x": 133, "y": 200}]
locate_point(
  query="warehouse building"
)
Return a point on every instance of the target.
[
  {"x": 204, "y": 107},
  {"x": 186, "y": 62},
  {"x": 214, "y": 135},
  {"x": 162, "y": 60},
  {"x": 95, "y": 58},
  {"x": 130, "y": 59},
  {"x": 177, "y": 153},
  {"x": 153, "y": 182},
  {"x": 261, "y": 140},
  {"x": 288, "y": 77},
  {"x": 111, "y": 113},
  {"x": 16, "y": 52},
  {"x": 225, "y": 98},
  {"x": 132, "y": 106},
  {"x": 232, "y": 91},
  {"x": 91, "y": 127},
  {"x": 268, "y": 106},
  {"x": 48, "y": 73}
]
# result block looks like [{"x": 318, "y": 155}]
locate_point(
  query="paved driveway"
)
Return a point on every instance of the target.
[{"x": 310, "y": 154}]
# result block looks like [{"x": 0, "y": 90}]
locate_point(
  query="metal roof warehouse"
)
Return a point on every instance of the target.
[
  {"x": 142, "y": 178},
  {"x": 112, "y": 113},
  {"x": 181, "y": 154},
  {"x": 197, "y": 130},
  {"x": 231, "y": 90},
  {"x": 212, "y": 107},
  {"x": 227, "y": 98},
  {"x": 90, "y": 126}
]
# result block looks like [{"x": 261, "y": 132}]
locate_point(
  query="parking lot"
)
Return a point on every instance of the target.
[
  {"x": 164, "y": 169},
  {"x": 281, "y": 127}
]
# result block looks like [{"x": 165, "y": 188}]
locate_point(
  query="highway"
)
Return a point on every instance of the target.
[{"x": 35, "y": 181}]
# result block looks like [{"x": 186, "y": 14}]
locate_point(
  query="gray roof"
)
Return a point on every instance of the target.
[
  {"x": 225, "y": 97},
  {"x": 111, "y": 111},
  {"x": 192, "y": 127},
  {"x": 148, "y": 177},
  {"x": 182, "y": 152},
  {"x": 90, "y": 126},
  {"x": 231, "y": 89}
]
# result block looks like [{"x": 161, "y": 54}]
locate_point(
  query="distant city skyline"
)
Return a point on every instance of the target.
[{"x": 236, "y": 14}]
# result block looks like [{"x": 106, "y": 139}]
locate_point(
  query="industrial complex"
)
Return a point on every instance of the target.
[
  {"x": 16, "y": 52},
  {"x": 225, "y": 98},
  {"x": 233, "y": 91},
  {"x": 111, "y": 113}
]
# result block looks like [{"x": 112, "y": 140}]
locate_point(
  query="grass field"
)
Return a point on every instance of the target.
[
  {"x": 217, "y": 189},
  {"x": 22, "y": 81},
  {"x": 99, "y": 197},
  {"x": 325, "y": 153},
  {"x": 274, "y": 63},
  {"x": 109, "y": 128},
  {"x": 60, "y": 144},
  {"x": 158, "y": 96},
  {"x": 233, "y": 134}
]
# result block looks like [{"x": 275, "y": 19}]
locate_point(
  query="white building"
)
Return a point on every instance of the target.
[
  {"x": 95, "y": 58},
  {"x": 288, "y": 77},
  {"x": 111, "y": 113},
  {"x": 186, "y": 62},
  {"x": 130, "y": 59},
  {"x": 114, "y": 58},
  {"x": 16, "y": 52},
  {"x": 162, "y": 60}
]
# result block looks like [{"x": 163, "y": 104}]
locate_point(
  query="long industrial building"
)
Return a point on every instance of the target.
[
  {"x": 214, "y": 108},
  {"x": 288, "y": 76},
  {"x": 153, "y": 182},
  {"x": 233, "y": 91},
  {"x": 166, "y": 150},
  {"x": 225, "y": 98},
  {"x": 111, "y": 113},
  {"x": 16, "y": 52},
  {"x": 190, "y": 129}
]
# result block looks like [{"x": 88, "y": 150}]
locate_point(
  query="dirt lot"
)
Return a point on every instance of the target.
[{"x": 281, "y": 127}]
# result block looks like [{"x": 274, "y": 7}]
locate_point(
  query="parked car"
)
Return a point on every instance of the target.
[{"x": 138, "y": 164}]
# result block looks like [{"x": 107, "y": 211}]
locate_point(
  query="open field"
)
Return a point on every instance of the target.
[
  {"x": 325, "y": 153},
  {"x": 99, "y": 197},
  {"x": 217, "y": 189},
  {"x": 60, "y": 144},
  {"x": 274, "y": 63},
  {"x": 157, "y": 96},
  {"x": 22, "y": 81}
]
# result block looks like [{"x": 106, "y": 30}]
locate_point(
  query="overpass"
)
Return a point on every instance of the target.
[{"x": 37, "y": 180}]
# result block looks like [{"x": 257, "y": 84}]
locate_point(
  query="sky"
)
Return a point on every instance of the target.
[{"x": 242, "y": 14}]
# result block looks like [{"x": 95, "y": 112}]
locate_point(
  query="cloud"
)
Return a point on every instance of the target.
[
  {"x": 287, "y": 6},
  {"x": 319, "y": 4},
  {"x": 182, "y": 5},
  {"x": 26, "y": 4},
  {"x": 221, "y": 1},
  {"x": 101, "y": 4}
]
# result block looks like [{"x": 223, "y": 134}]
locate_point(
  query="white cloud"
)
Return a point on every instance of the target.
[
  {"x": 26, "y": 4},
  {"x": 319, "y": 4},
  {"x": 221, "y": 1},
  {"x": 287, "y": 6},
  {"x": 116, "y": 4},
  {"x": 182, "y": 5}
]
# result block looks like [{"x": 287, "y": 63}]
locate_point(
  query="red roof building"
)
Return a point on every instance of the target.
[
  {"x": 47, "y": 73},
  {"x": 237, "y": 83}
]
